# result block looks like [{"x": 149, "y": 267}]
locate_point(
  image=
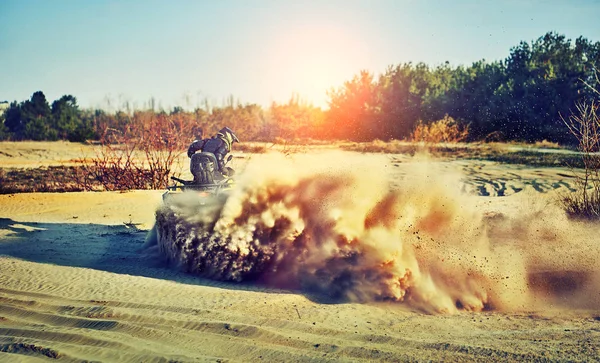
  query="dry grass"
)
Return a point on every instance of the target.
[
  {"x": 446, "y": 130},
  {"x": 498, "y": 152},
  {"x": 379, "y": 146},
  {"x": 545, "y": 144},
  {"x": 293, "y": 146},
  {"x": 250, "y": 147},
  {"x": 44, "y": 179}
]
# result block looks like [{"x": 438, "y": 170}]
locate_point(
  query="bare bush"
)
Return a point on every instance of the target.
[
  {"x": 446, "y": 130},
  {"x": 585, "y": 126},
  {"x": 141, "y": 156}
]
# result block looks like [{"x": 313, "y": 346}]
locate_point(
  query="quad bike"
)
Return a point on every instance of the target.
[
  {"x": 207, "y": 179},
  {"x": 210, "y": 188}
]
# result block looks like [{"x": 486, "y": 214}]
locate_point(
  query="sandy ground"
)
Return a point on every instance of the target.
[
  {"x": 75, "y": 285},
  {"x": 32, "y": 154}
]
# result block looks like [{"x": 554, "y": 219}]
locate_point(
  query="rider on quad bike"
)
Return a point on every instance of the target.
[{"x": 212, "y": 151}]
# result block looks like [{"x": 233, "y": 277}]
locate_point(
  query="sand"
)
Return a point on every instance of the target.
[
  {"x": 77, "y": 284},
  {"x": 33, "y": 154}
]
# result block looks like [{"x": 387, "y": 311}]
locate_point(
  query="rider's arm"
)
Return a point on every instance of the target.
[
  {"x": 220, "y": 154},
  {"x": 195, "y": 146}
]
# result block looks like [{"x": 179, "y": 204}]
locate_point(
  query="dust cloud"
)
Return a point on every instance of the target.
[{"x": 329, "y": 222}]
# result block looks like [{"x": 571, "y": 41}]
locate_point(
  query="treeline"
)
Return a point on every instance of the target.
[
  {"x": 35, "y": 119},
  {"x": 522, "y": 97}
]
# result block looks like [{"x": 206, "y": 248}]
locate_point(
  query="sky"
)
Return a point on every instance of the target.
[{"x": 186, "y": 52}]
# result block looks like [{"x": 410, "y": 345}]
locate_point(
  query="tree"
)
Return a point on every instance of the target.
[
  {"x": 31, "y": 119},
  {"x": 401, "y": 93},
  {"x": 4, "y": 132},
  {"x": 37, "y": 117},
  {"x": 544, "y": 81},
  {"x": 352, "y": 109},
  {"x": 67, "y": 119},
  {"x": 13, "y": 120}
]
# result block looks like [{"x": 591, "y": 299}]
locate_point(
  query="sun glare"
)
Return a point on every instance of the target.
[{"x": 309, "y": 61}]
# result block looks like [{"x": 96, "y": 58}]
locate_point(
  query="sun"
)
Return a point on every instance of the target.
[{"x": 310, "y": 61}]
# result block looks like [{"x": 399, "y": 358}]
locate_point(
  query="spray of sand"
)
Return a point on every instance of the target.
[{"x": 330, "y": 223}]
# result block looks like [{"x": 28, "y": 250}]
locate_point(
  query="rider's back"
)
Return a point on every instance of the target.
[{"x": 213, "y": 145}]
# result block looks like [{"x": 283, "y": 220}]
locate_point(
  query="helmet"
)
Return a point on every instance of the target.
[{"x": 226, "y": 134}]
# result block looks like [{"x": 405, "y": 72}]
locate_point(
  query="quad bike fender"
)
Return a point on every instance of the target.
[{"x": 204, "y": 167}]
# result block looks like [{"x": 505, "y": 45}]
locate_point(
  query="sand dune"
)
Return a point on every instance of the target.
[{"x": 76, "y": 284}]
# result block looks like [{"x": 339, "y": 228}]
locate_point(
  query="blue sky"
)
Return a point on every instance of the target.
[{"x": 184, "y": 51}]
